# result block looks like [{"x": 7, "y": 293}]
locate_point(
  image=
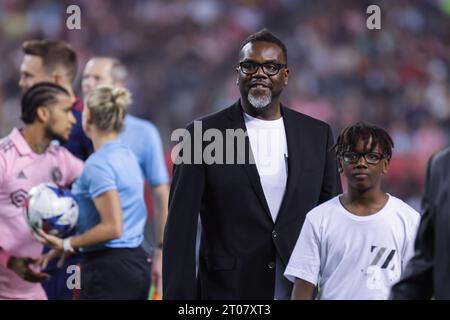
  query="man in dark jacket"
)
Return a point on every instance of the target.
[
  {"x": 251, "y": 210},
  {"x": 427, "y": 274}
]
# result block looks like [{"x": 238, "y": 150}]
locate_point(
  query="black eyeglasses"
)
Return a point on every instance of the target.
[
  {"x": 370, "y": 157},
  {"x": 269, "y": 68}
]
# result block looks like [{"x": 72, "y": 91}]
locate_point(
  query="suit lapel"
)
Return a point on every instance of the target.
[
  {"x": 236, "y": 116},
  {"x": 294, "y": 138}
]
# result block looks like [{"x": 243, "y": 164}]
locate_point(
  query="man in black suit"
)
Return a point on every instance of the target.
[
  {"x": 252, "y": 210},
  {"x": 427, "y": 274}
]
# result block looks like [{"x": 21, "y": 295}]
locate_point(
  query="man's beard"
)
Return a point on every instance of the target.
[
  {"x": 261, "y": 101},
  {"x": 51, "y": 135}
]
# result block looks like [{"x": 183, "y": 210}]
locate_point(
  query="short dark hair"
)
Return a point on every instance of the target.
[
  {"x": 264, "y": 35},
  {"x": 350, "y": 136},
  {"x": 39, "y": 95},
  {"x": 53, "y": 53}
]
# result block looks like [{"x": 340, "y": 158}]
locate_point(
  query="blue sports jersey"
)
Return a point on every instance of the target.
[
  {"x": 143, "y": 138},
  {"x": 113, "y": 166}
]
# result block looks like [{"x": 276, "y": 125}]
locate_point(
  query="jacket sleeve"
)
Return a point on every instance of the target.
[
  {"x": 417, "y": 278},
  {"x": 331, "y": 185},
  {"x": 185, "y": 198}
]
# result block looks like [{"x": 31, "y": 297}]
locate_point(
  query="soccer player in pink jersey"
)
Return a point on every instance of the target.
[{"x": 28, "y": 157}]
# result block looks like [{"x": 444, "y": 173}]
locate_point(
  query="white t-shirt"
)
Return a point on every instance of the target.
[
  {"x": 269, "y": 148},
  {"x": 354, "y": 257}
]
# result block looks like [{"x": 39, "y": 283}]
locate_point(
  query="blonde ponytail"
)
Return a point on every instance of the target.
[{"x": 108, "y": 106}]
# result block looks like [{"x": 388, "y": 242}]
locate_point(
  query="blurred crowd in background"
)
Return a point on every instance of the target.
[{"x": 182, "y": 56}]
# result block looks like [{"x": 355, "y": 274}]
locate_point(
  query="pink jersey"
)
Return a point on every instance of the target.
[{"x": 20, "y": 170}]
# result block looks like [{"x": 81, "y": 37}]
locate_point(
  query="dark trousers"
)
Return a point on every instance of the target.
[{"x": 117, "y": 274}]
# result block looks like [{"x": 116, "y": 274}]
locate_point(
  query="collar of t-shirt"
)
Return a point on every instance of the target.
[
  {"x": 22, "y": 146},
  {"x": 263, "y": 123},
  {"x": 111, "y": 144}
]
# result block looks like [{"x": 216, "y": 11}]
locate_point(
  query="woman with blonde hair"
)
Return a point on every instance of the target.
[{"x": 110, "y": 194}]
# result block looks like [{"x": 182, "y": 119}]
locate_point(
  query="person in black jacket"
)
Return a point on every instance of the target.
[
  {"x": 252, "y": 205},
  {"x": 427, "y": 274}
]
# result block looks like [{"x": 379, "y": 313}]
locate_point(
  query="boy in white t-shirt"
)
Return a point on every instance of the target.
[{"x": 356, "y": 245}]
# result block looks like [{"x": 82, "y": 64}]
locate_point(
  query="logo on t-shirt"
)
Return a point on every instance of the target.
[
  {"x": 56, "y": 175},
  {"x": 21, "y": 175},
  {"x": 18, "y": 198},
  {"x": 6, "y": 145},
  {"x": 382, "y": 270}
]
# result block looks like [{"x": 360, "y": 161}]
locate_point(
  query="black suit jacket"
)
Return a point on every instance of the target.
[
  {"x": 428, "y": 272},
  {"x": 239, "y": 238}
]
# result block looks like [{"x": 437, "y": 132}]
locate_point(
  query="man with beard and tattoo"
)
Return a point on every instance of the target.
[
  {"x": 57, "y": 62},
  {"x": 252, "y": 205},
  {"x": 28, "y": 157}
]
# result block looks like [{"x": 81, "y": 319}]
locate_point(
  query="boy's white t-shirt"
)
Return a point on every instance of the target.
[{"x": 354, "y": 257}]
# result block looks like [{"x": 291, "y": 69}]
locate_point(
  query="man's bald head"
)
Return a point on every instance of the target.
[{"x": 103, "y": 71}]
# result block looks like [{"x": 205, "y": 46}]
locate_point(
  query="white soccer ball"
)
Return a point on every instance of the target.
[{"x": 52, "y": 209}]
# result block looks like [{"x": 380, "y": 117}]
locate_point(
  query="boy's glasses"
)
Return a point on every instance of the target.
[{"x": 370, "y": 157}]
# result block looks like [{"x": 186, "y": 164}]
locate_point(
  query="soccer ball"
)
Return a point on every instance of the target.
[{"x": 51, "y": 208}]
